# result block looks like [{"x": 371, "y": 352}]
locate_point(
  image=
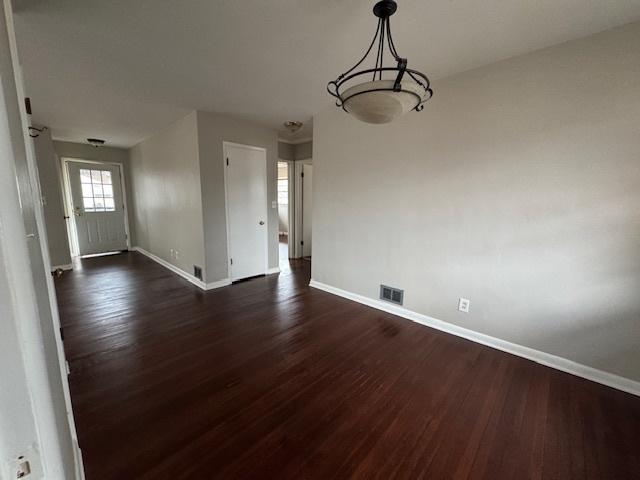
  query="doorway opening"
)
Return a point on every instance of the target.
[
  {"x": 95, "y": 207},
  {"x": 283, "y": 214}
]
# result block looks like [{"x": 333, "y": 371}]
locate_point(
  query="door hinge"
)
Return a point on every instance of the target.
[
  {"x": 231, "y": 259},
  {"x": 302, "y": 174},
  {"x": 301, "y": 243},
  {"x": 227, "y": 162}
]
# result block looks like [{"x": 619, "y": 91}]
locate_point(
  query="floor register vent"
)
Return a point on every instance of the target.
[{"x": 390, "y": 294}]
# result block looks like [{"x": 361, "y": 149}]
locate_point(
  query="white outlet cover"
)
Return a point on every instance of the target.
[
  {"x": 463, "y": 304},
  {"x": 274, "y": 204}
]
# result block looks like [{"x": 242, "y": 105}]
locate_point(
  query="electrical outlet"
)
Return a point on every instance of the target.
[
  {"x": 173, "y": 253},
  {"x": 463, "y": 304},
  {"x": 274, "y": 204},
  {"x": 177, "y": 255}
]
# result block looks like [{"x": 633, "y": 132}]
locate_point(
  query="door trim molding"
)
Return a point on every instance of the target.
[
  {"x": 68, "y": 204},
  {"x": 547, "y": 359},
  {"x": 226, "y": 144}
]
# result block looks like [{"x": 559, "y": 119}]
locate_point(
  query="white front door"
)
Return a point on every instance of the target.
[
  {"x": 98, "y": 207},
  {"x": 307, "y": 208},
  {"x": 246, "y": 184}
]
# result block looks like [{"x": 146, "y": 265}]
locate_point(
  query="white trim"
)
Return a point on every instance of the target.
[
  {"x": 220, "y": 283},
  {"x": 273, "y": 270},
  {"x": 225, "y": 156},
  {"x": 68, "y": 266},
  {"x": 297, "y": 141},
  {"x": 187, "y": 276},
  {"x": 547, "y": 359}
]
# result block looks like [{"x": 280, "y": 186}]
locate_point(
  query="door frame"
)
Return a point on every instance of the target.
[
  {"x": 226, "y": 144},
  {"x": 72, "y": 231},
  {"x": 298, "y": 206}
]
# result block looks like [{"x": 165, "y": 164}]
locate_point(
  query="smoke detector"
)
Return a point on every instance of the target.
[
  {"x": 292, "y": 126},
  {"x": 96, "y": 142}
]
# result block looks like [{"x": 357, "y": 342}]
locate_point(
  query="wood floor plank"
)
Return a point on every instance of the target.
[{"x": 272, "y": 379}]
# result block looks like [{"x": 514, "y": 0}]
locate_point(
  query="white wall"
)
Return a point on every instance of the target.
[
  {"x": 213, "y": 130},
  {"x": 166, "y": 197},
  {"x": 518, "y": 187}
]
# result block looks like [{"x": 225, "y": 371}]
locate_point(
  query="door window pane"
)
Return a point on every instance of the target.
[
  {"x": 85, "y": 176},
  {"x": 88, "y": 204},
  {"x": 96, "y": 185}
]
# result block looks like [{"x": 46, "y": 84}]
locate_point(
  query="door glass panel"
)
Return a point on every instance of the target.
[
  {"x": 85, "y": 176},
  {"x": 88, "y": 204},
  {"x": 96, "y": 185}
]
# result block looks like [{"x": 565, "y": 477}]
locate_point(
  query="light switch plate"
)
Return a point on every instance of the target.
[{"x": 274, "y": 204}]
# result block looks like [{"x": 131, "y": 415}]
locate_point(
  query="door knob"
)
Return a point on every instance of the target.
[{"x": 261, "y": 222}]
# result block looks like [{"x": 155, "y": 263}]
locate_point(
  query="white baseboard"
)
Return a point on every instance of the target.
[
  {"x": 196, "y": 281},
  {"x": 68, "y": 266},
  {"x": 220, "y": 283},
  {"x": 273, "y": 270},
  {"x": 547, "y": 359}
]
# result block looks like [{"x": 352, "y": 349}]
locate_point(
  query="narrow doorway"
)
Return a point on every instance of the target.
[{"x": 283, "y": 214}]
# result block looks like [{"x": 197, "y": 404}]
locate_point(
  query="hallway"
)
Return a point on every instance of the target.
[{"x": 272, "y": 379}]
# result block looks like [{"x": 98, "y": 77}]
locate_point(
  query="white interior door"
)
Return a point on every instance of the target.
[
  {"x": 307, "y": 208},
  {"x": 246, "y": 183},
  {"x": 98, "y": 207}
]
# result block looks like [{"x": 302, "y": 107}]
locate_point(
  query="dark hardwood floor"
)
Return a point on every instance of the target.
[{"x": 271, "y": 379}]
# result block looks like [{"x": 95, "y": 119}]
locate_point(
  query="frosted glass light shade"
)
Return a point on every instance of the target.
[{"x": 376, "y": 102}]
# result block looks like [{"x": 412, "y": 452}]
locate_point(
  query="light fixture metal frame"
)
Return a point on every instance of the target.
[{"x": 383, "y": 10}]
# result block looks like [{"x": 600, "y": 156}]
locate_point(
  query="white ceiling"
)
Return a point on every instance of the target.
[{"x": 122, "y": 70}]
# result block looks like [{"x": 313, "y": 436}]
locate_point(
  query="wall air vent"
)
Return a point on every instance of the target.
[
  {"x": 197, "y": 272},
  {"x": 390, "y": 294}
]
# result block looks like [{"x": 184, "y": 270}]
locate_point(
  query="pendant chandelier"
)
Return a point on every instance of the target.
[{"x": 392, "y": 91}]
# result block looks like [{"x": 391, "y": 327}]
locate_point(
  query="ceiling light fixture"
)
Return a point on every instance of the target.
[
  {"x": 381, "y": 100},
  {"x": 292, "y": 126},
  {"x": 96, "y": 142}
]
